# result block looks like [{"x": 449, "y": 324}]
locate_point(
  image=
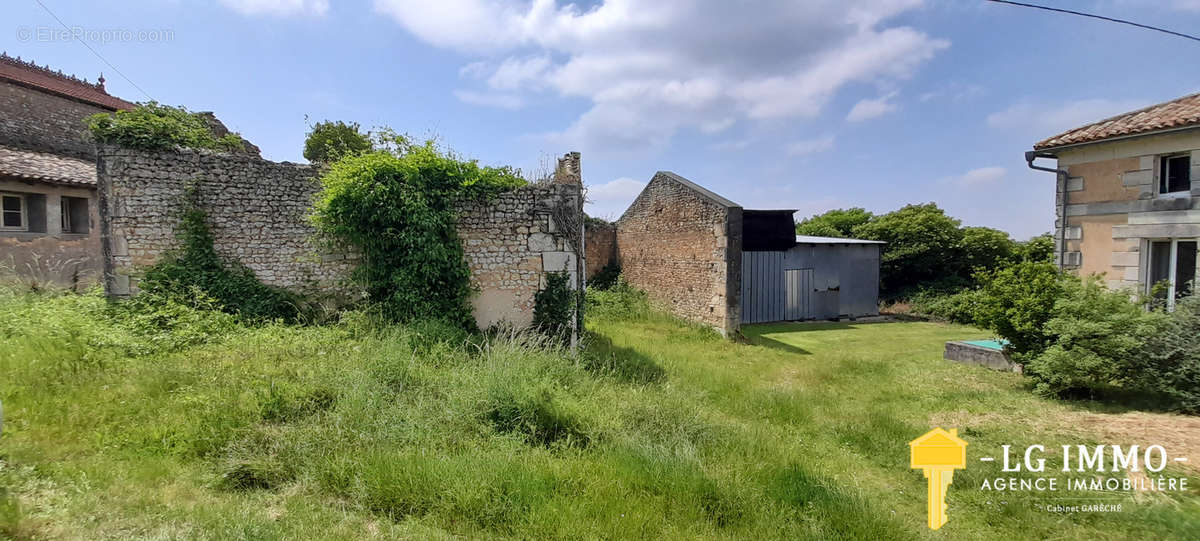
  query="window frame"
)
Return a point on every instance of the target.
[
  {"x": 1172, "y": 267},
  {"x": 24, "y": 212},
  {"x": 1162, "y": 175}
]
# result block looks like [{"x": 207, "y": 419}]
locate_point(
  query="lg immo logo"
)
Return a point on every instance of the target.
[{"x": 938, "y": 453}]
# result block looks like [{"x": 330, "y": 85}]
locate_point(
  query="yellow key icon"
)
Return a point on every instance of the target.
[{"x": 938, "y": 453}]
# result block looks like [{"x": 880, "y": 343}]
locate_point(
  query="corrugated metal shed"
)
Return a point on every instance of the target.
[{"x": 817, "y": 278}]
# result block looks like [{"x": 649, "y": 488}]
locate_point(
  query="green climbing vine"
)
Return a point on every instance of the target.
[
  {"x": 395, "y": 205},
  {"x": 195, "y": 264}
]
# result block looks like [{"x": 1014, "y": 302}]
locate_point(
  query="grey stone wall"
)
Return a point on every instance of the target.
[
  {"x": 257, "y": 210},
  {"x": 36, "y": 120}
]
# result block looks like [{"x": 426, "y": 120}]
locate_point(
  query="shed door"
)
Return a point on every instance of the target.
[{"x": 798, "y": 289}]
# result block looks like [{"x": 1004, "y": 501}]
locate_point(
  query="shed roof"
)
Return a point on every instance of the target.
[
  {"x": 1170, "y": 115},
  {"x": 809, "y": 239},
  {"x": 56, "y": 82},
  {"x": 56, "y": 168}
]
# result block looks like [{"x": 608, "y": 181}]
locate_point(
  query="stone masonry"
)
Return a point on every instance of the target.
[
  {"x": 257, "y": 210},
  {"x": 682, "y": 244},
  {"x": 45, "y": 122},
  {"x": 600, "y": 245}
]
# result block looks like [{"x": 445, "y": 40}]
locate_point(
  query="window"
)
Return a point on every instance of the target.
[
  {"x": 15, "y": 217},
  {"x": 74, "y": 212},
  {"x": 1175, "y": 174},
  {"x": 1173, "y": 264}
]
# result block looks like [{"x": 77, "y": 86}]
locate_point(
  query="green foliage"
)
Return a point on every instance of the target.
[
  {"x": 622, "y": 301},
  {"x": 923, "y": 244},
  {"x": 986, "y": 248},
  {"x": 554, "y": 305},
  {"x": 329, "y": 141},
  {"x": 960, "y": 307},
  {"x": 607, "y": 276},
  {"x": 1169, "y": 362},
  {"x": 835, "y": 223},
  {"x": 160, "y": 127},
  {"x": 1094, "y": 335},
  {"x": 396, "y": 207},
  {"x": 1018, "y": 301},
  {"x": 195, "y": 267},
  {"x": 1038, "y": 249}
]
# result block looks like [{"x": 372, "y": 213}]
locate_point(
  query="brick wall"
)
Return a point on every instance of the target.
[
  {"x": 600, "y": 246},
  {"x": 682, "y": 245},
  {"x": 35, "y": 120},
  {"x": 257, "y": 211}
]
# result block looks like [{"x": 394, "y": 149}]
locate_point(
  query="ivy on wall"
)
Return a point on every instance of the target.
[
  {"x": 195, "y": 264},
  {"x": 160, "y": 127},
  {"x": 395, "y": 205}
]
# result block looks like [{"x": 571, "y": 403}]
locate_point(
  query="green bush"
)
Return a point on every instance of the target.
[
  {"x": 622, "y": 301},
  {"x": 160, "y": 127},
  {"x": 606, "y": 277},
  {"x": 986, "y": 248},
  {"x": 1017, "y": 302},
  {"x": 195, "y": 266},
  {"x": 834, "y": 223},
  {"x": 396, "y": 207},
  {"x": 1169, "y": 362},
  {"x": 960, "y": 307},
  {"x": 553, "y": 306},
  {"x": 1095, "y": 336},
  {"x": 329, "y": 141},
  {"x": 923, "y": 244}
]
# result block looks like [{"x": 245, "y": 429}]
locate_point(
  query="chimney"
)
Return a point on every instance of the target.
[
  {"x": 100, "y": 83},
  {"x": 568, "y": 170}
]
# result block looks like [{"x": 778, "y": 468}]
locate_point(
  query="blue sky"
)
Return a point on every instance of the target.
[{"x": 807, "y": 105}]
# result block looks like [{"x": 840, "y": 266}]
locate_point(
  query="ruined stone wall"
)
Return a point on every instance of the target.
[
  {"x": 600, "y": 246},
  {"x": 683, "y": 247},
  {"x": 257, "y": 210},
  {"x": 36, "y": 120}
]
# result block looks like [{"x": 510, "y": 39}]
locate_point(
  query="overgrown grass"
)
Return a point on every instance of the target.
[{"x": 355, "y": 430}]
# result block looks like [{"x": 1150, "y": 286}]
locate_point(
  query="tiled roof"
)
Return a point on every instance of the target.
[
  {"x": 30, "y": 165},
  {"x": 1177, "y": 113},
  {"x": 55, "y": 82}
]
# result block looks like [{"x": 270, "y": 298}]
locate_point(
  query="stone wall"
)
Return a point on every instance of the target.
[
  {"x": 36, "y": 120},
  {"x": 683, "y": 245},
  {"x": 600, "y": 246},
  {"x": 257, "y": 209}
]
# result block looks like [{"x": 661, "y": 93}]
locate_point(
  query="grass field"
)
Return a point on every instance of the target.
[{"x": 209, "y": 429}]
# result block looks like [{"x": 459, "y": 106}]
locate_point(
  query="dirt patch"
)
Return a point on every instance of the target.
[{"x": 1179, "y": 434}]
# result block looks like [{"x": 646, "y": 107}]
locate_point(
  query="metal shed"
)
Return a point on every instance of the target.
[{"x": 813, "y": 278}]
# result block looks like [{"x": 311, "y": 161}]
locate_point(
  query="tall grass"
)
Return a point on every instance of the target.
[{"x": 170, "y": 420}]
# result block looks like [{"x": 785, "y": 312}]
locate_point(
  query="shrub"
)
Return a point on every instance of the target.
[
  {"x": 329, "y": 141},
  {"x": 622, "y": 301},
  {"x": 396, "y": 206},
  {"x": 1094, "y": 336},
  {"x": 606, "y": 277},
  {"x": 195, "y": 266},
  {"x": 1017, "y": 302},
  {"x": 553, "y": 306},
  {"x": 986, "y": 248},
  {"x": 960, "y": 307},
  {"x": 1037, "y": 249},
  {"x": 835, "y": 223},
  {"x": 1169, "y": 362},
  {"x": 160, "y": 127}
]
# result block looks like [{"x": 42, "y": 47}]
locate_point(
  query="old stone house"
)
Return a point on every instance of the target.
[
  {"x": 706, "y": 259},
  {"x": 48, "y": 173},
  {"x": 1128, "y": 207}
]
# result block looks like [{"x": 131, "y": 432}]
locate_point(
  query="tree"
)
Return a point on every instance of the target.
[
  {"x": 1018, "y": 300},
  {"x": 329, "y": 141},
  {"x": 986, "y": 248},
  {"x": 835, "y": 223},
  {"x": 923, "y": 245},
  {"x": 1039, "y": 248}
]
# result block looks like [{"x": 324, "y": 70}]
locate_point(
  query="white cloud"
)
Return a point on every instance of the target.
[
  {"x": 278, "y": 7},
  {"x": 1048, "y": 119},
  {"x": 1186, "y": 5},
  {"x": 731, "y": 144},
  {"x": 611, "y": 199},
  {"x": 486, "y": 99},
  {"x": 980, "y": 176},
  {"x": 871, "y": 108},
  {"x": 810, "y": 146},
  {"x": 651, "y": 69}
]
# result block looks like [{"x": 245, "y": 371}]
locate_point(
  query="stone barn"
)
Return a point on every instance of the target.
[{"x": 706, "y": 259}]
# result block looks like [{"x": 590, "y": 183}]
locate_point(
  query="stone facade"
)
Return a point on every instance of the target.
[
  {"x": 257, "y": 210},
  {"x": 45, "y": 253},
  {"x": 36, "y": 120},
  {"x": 683, "y": 245},
  {"x": 1109, "y": 208},
  {"x": 600, "y": 246}
]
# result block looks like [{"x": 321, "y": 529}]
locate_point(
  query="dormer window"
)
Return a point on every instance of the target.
[{"x": 1175, "y": 174}]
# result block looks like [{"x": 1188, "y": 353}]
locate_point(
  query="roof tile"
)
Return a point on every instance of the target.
[
  {"x": 43, "y": 78},
  {"x": 1177, "y": 113},
  {"x": 30, "y": 165}
]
